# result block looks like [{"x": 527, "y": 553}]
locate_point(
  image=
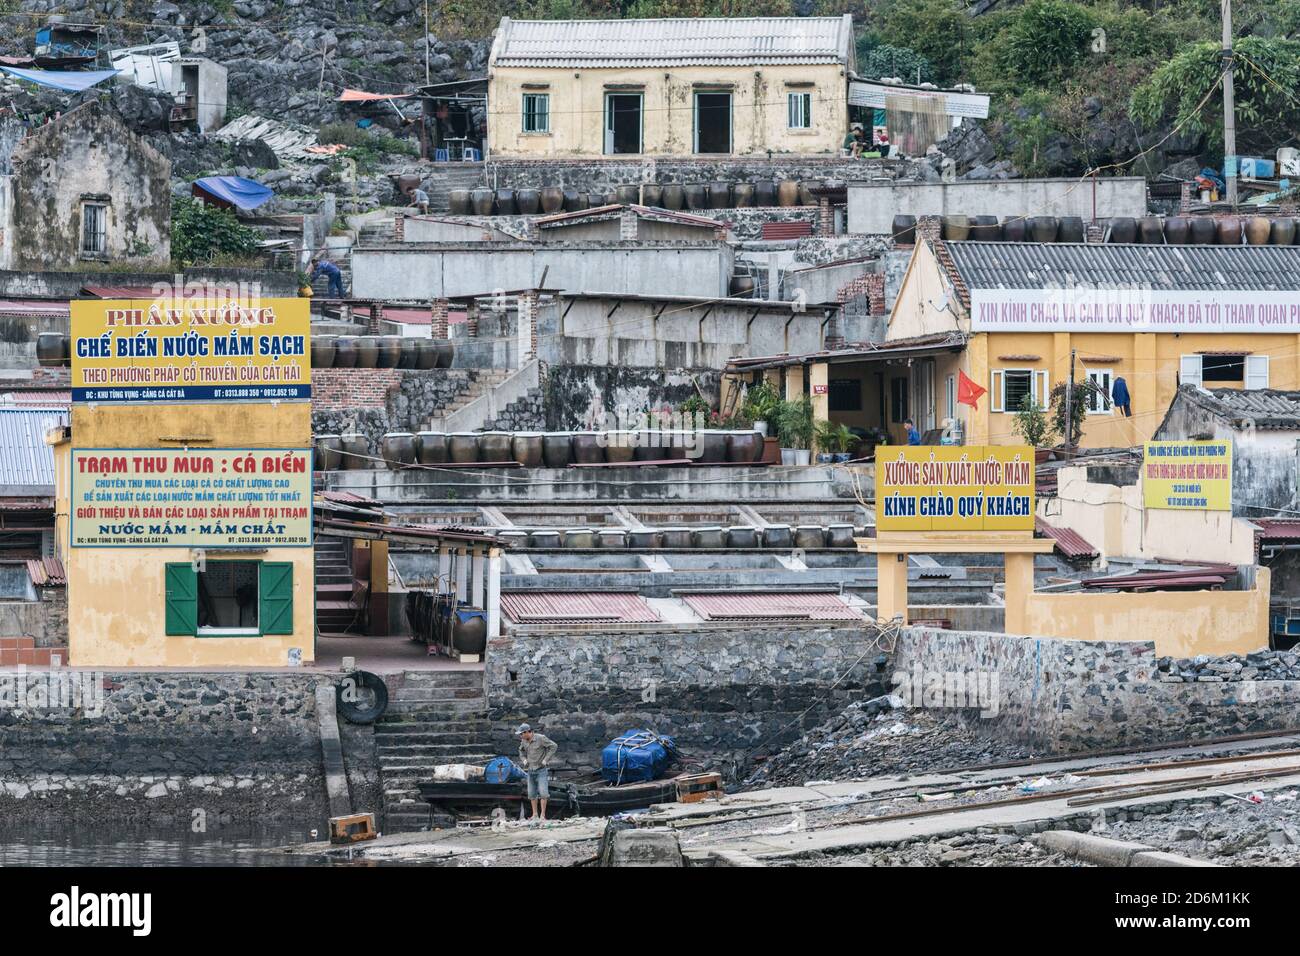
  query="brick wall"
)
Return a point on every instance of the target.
[
  {"x": 871, "y": 285},
  {"x": 341, "y": 388}
]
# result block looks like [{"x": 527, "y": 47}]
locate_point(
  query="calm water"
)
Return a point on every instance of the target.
[{"x": 47, "y": 844}]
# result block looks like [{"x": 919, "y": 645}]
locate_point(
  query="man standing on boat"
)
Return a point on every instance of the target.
[{"x": 535, "y": 753}]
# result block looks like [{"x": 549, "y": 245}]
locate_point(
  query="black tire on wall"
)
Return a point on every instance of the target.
[{"x": 362, "y": 697}]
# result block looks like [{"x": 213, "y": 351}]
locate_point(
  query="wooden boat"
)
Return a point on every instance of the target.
[{"x": 581, "y": 798}]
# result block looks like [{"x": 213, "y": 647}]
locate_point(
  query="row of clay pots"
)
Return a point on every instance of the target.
[
  {"x": 673, "y": 196},
  {"x": 532, "y": 449},
  {"x": 741, "y": 537},
  {"x": 53, "y": 349},
  {"x": 989, "y": 229},
  {"x": 380, "y": 351},
  {"x": 1206, "y": 231}
]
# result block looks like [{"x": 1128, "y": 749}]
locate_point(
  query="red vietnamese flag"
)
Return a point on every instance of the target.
[{"x": 968, "y": 393}]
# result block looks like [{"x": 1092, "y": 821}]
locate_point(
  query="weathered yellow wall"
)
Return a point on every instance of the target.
[
  {"x": 1113, "y": 520},
  {"x": 1182, "y": 624},
  {"x": 577, "y": 104},
  {"x": 116, "y": 613},
  {"x": 1148, "y": 362}
]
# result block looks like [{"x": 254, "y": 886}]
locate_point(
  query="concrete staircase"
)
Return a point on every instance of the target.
[
  {"x": 435, "y": 717},
  {"x": 486, "y": 380},
  {"x": 337, "y": 606},
  {"x": 449, "y": 176}
]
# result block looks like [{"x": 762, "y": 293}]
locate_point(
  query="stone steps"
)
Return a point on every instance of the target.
[{"x": 433, "y": 717}]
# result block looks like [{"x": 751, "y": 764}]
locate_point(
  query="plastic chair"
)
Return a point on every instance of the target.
[
  {"x": 470, "y": 155},
  {"x": 441, "y": 155}
]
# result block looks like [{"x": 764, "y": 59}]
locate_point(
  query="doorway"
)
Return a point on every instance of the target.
[
  {"x": 713, "y": 122},
  {"x": 622, "y": 123}
]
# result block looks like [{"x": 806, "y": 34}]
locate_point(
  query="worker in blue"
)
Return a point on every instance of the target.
[
  {"x": 331, "y": 272},
  {"x": 913, "y": 436}
]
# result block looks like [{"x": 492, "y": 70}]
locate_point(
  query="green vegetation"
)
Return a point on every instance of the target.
[
  {"x": 207, "y": 234},
  {"x": 1031, "y": 423},
  {"x": 794, "y": 423}
]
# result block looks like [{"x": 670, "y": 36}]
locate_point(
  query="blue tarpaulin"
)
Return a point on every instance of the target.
[
  {"x": 74, "y": 81},
  {"x": 235, "y": 190},
  {"x": 636, "y": 756}
]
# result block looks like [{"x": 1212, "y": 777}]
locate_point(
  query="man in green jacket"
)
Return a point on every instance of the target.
[{"x": 535, "y": 753}]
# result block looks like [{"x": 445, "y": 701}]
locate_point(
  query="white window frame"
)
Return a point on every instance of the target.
[
  {"x": 950, "y": 398},
  {"x": 102, "y": 250},
  {"x": 1039, "y": 387},
  {"x": 798, "y": 110},
  {"x": 1256, "y": 371},
  {"x": 1102, "y": 394},
  {"x": 1189, "y": 370},
  {"x": 544, "y": 114}
]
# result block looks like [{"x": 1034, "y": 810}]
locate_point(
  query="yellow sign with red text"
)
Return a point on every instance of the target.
[{"x": 955, "y": 488}]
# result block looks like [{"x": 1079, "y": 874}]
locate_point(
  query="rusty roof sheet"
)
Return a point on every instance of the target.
[
  {"x": 571, "y": 607},
  {"x": 678, "y": 41},
  {"x": 33, "y": 307},
  {"x": 46, "y": 572},
  {"x": 789, "y": 605},
  {"x": 1277, "y": 529},
  {"x": 1068, "y": 542}
]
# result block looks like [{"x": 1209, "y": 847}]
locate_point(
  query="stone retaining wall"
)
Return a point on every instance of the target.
[
  {"x": 373, "y": 401},
  {"x": 1064, "y": 695},
  {"x": 156, "y": 744},
  {"x": 718, "y": 692}
]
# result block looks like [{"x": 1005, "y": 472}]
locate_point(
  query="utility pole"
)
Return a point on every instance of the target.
[
  {"x": 1068, "y": 437},
  {"x": 1229, "y": 114},
  {"x": 426, "y": 42}
]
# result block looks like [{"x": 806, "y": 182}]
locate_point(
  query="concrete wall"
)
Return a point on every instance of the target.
[
  {"x": 45, "y": 619},
  {"x": 669, "y": 333},
  {"x": 88, "y": 155},
  {"x": 696, "y": 484},
  {"x": 18, "y": 336},
  {"x": 603, "y": 173},
  {"x": 1180, "y": 624},
  {"x": 433, "y": 271},
  {"x": 872, "y": 207},
  {"x": 420, "y": 229},
  {"x": 718, "y": 691},
  {"x": 69, "y": 284},
  {"x": 1113, "y": 519},
  {"x": 577, "y": 108}
]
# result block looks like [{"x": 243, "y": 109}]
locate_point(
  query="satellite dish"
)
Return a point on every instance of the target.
[{"x": 940, "y": 304}]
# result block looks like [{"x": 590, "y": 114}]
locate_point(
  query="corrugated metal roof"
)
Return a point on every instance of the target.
[
  {"x": 795, "y": 229},
  {"x": 46, "y": 572},
  {"x": 570, "y": 607},
  {"x": 1277, "y": 529},
  {"x": 32, "y": 307},
  {"x": 1069, "y": 543},
  {"x": 790, "y": 605},
  {"x": 38, "y": 397},
  {"x": 673, "y": 42},
  {"x": 1039, "y": 265},
  {"x": 120, "y": 291},
  {"x": 25, "y": 459}
]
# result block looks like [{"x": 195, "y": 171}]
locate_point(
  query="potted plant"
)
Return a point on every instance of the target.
[
  {"x": 761, "y": 402},
  {"x": 1033, "y": 427},
  {"x": 833, "y": 441},
  {"x": 794, "y": 424}
]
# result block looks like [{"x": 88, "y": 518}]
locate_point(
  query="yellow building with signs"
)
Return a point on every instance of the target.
[
  {"x": 670, "y": 87},
  {"x": 184, "y": 486},
  {"x": 1134, "y": 321}
]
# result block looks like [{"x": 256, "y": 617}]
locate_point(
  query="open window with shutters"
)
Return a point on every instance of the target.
[
  {"x": 229, "y": 599},
  {"x": 1010, "y": 386},
  {"x": 1099, "y": 400},
  {"x": 1209, "y": 370}
]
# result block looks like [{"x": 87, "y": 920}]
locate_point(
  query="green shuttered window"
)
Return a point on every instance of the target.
[
  {"x": 275, "y": 591},
  {"x": 182, "y": 599}
]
